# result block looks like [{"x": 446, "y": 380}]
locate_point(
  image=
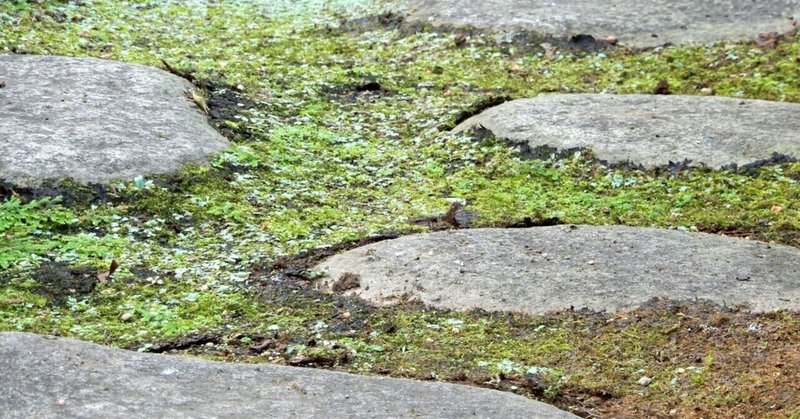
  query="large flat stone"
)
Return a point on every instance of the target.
[
  {"x": 638, "y": 23},
  {"x": 96, "y": 120},
  {"x": 545, "y": 269},
  {"x": 650, "y": 130},
  {"x": 44, "y": 377}
]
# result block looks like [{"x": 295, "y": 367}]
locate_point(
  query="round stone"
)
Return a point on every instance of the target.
[
  {"x": 544, "y": 269},
  {"x": 99, "y": 382},
  {"x": 96, "y": 120},
  {"x": 647, "y": 130},
  {"x": 636, "y": 23}
]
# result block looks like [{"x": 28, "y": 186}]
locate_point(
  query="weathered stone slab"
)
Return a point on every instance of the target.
[
  {"x": 637, "y": 23},
  {"x": 96, "y": 120},
  {"x": 44, "y": 377},
  {"x": 545, "y": 269},
  {"x": 650, "y": 130}
]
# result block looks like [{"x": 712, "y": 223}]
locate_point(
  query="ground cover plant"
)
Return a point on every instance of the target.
[{"x": 339, "y": 133}]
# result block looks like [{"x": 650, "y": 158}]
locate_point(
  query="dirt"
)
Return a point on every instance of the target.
[
  {"x": 300, "y": 267},
  {"x": 72, "y": 194},
  {"x": 367, "y": 89},
  {"x": 489, "y": 101},
  {"x": 185, "y": 342},
  {"x": 743, "y": 356},
  {"x": 662, "y": 88},
  {"x": 750, "y": 365},
  {"x": 346, "y": 281},
  {"x": 58, "y": 281},
  {"x": 224, "y": 102}
]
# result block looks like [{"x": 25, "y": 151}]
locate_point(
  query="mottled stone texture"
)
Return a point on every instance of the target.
[
  {"x": 637, "y": 23},
  {"x": 543, "y": 269},
  {"x": 649, "y": 130},
  {"x": 44, "y": 377},
  {"x": 96, "y": 120}
]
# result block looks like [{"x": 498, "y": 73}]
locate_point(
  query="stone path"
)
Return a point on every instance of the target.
[
  {"x": 96, "y": 120},
  {"x": 649, "y": 130},
  {"x": 637, "y": 23},
  {"x": 54, "y": 378},
  {"x": 544, "y": 269}
]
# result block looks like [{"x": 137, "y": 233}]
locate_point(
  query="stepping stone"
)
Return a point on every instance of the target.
[
  {"x": 634, "y": 23},
  {"x": 44, "y": 377},
  {"x": 648, "y": 130},
  {"x": 544, "y": 269},
  {"x": 96, "y": 120}
]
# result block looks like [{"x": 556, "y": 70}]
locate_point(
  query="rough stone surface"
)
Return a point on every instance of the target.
[
  {"x": 651, "y": 130},
  {"x": 544, "y": 269},
  {"x": 96, "y": 120},
  {"x": 638, "y": 23},
  {"x": 44, "y": 377}
]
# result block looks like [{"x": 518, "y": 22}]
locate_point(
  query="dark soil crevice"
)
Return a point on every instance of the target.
[
  {"x": 72, "y": 193},
  {"x": 476, "y": 108},
  {"x": 224, "y": 102},
  {"x": 299, "y": 267},
  {"x": 185, "y": 342},
  {"x": 367, "y": 88},
  {"x": 58, "y": 281}
]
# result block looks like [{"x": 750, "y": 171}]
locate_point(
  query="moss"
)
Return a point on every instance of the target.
[{"x": 317, "y": 161}]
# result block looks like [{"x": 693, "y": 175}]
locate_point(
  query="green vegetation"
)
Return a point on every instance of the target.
[{"x": 317, "y": 162}]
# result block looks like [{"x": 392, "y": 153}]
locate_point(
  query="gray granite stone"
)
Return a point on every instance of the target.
[
  {"x": 544, "y": 269},
  {"x": 637, "y": 23},
  {"x": 649, "y": 130},
  {"x": 45, "y": 377},
  {"x": 96, "y": 120}
]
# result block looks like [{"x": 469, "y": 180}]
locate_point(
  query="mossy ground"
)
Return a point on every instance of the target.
[{"x": 319, "y": 161}]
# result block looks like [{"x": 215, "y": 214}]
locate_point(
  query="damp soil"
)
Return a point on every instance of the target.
[
  {"x": 678, "y": 344},
  {"x": 367, "y": 89},
  {"x": 58, "y": 282},
  {"x": 299, "y": 268}
]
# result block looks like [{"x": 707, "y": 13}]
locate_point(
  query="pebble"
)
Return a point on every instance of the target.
[
  {"x": 125, "y": 316},
  {"x": 645, "y": 381}
]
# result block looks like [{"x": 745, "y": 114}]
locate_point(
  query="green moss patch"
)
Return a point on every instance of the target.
[{"x": 340, "y": 135}]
